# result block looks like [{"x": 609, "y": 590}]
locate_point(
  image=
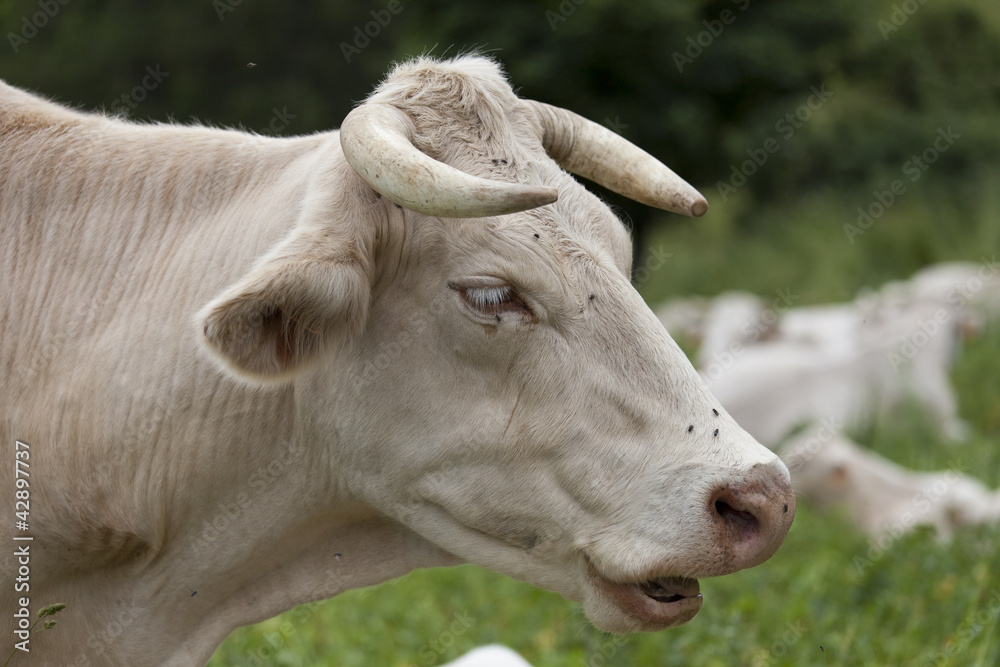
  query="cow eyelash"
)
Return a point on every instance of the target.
[{"x": 493, "y": 301}]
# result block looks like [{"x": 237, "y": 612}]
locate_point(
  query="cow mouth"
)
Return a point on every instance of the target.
[
  {"x": 655, "y": 603},
  {"x": 668, "y": 590}
]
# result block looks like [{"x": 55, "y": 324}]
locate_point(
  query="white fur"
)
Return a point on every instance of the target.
[{"x": 247, "y": 382}]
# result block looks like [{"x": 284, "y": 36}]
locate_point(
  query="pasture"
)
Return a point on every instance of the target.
[{"x": 830, "y": 596}]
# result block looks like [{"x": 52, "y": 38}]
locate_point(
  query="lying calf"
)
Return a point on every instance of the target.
[{"x": 881, "y": 496}]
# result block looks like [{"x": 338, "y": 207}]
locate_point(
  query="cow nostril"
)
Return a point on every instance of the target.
[
  {"x": 745, "y": 522},
  {"x": 750, "y": 515}
]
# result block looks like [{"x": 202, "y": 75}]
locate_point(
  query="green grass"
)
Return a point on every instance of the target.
[{"x": 829, "y": 596}]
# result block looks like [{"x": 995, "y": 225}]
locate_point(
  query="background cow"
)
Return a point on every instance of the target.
[
  {"x": 834, "y": 367},
  {"x": 848, "y": 362},
  {"x": 882, "y": 497}
]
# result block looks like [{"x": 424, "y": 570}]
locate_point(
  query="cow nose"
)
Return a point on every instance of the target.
[{"x": 752, "y": 514}]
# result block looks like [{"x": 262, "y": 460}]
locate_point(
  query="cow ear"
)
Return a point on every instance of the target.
[{"x": 287, "y": 312}]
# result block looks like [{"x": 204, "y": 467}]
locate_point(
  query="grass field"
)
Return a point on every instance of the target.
[{"x": 830, "y": 596}]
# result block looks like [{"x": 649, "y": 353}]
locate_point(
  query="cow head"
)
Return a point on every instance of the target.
[{"x": 457, "y": 314}]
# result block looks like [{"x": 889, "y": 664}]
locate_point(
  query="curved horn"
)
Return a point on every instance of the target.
[
  {"x": 585, "y": 148},
  {"x": 378, "y": 143}
]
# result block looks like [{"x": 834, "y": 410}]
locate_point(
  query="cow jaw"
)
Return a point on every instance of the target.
[
  {"x": 639, "y": 605},
  {"x": 639, "y": 575}
]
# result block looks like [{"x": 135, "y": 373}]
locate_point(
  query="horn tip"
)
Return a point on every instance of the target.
[
  {"x": 535, "y": 196},
  {"x": 547, "y": 195},
  {"x": 698, "y": 207}
]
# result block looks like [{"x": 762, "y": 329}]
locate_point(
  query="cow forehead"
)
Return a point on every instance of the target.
[
  {"x": 469, "y": 118},
  {"x": 578, "y": 230},
  {"x": 539, "y": 250},
  {"x": 466, "y": 115}
]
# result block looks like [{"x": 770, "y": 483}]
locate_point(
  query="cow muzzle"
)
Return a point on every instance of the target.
[{"x": 743, "y": 522}]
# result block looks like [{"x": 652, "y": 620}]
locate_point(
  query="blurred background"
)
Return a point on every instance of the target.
[
  {"x": 841, "y": 144},
  {"x": 706, "y": 86}
]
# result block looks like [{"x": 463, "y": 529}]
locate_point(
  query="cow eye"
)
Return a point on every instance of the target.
[{"x": 493, "y": 301}]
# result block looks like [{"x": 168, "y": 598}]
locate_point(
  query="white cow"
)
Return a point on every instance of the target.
[
  {"x": 733, "y": 320},
  {"x": 684, "y": 317},
  {"x": 493, "y": 655},
  {"x": 847, "y": 363},
  {"x": 882, "y": 497},
  {"x": 834, "y": 328},
  {"x": 253, "y": 372},
  {"x": 973, "y": 287}
]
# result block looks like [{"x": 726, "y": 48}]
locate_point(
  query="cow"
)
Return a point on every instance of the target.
[
  {"x": 848, "y": 363},
  {"x": 249, "y": 372},
  {"x": 881, "y": 497},
  {"x": 493, "y": 655},
  {"x": 733, "y": 320},
  {"x": 684, "y": 318},
  {"x": 973, "y": 289}
]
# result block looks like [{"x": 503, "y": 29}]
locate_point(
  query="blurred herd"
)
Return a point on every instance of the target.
[{"x": 799, "y": 378}]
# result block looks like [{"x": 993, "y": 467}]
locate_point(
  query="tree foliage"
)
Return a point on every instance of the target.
[{"x": 707, "y": 85}]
